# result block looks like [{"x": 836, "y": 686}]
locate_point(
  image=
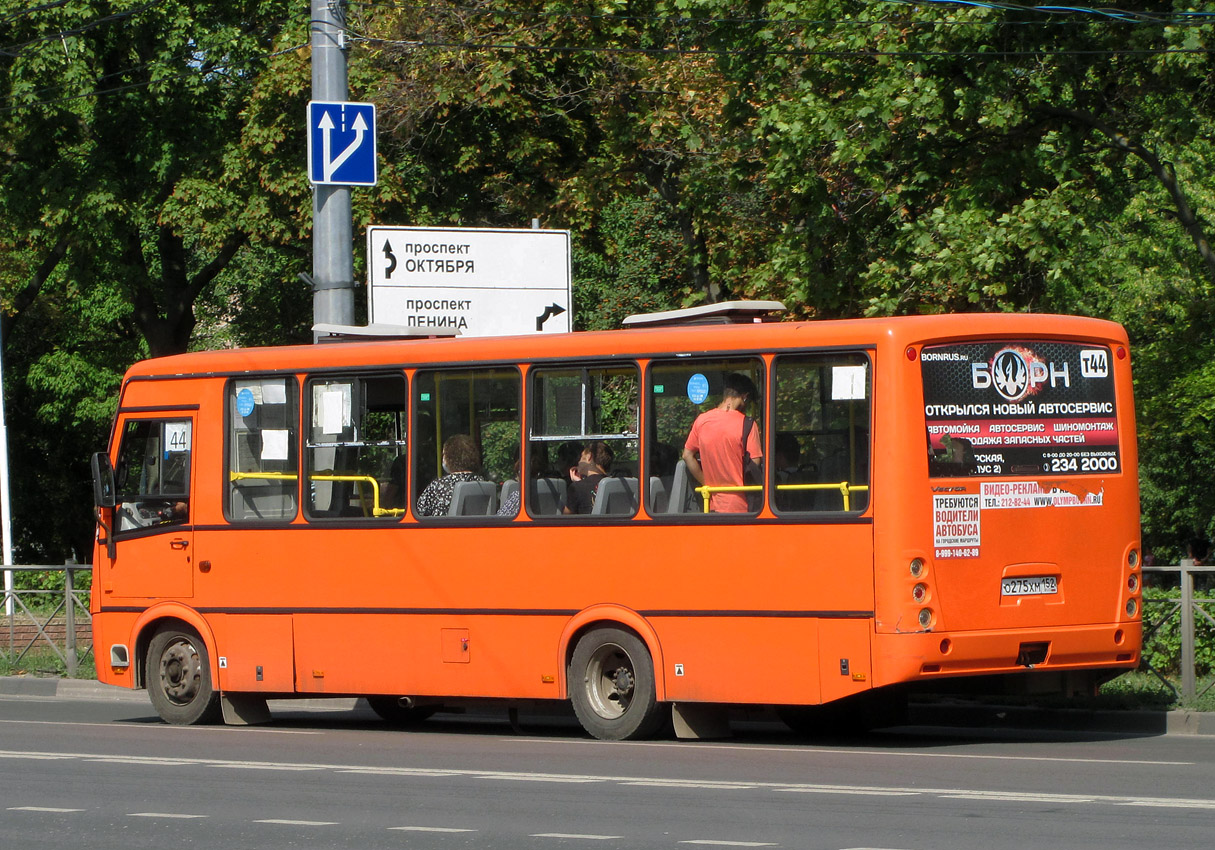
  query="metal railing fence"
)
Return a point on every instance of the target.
[
  {"x": 34, "y": 617},
  {"x": 1191, "y": 611}
]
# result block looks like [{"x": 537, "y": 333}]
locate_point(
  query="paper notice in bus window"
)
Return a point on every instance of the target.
[
  {"x": 333, "y": 413},
  {"x": 848, "y": 383},
  {"x": 274, "y": 445},
  {"x": 274, "y": 392},
  {"x": 1019, "y": 408},
  {"x": 177, "y": 437}
]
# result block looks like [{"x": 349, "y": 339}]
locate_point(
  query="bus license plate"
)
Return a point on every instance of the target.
[{"x": 1029, "y": 586}]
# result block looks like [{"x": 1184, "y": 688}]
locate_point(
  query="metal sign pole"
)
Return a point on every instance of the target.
[
  {"x": 6, "y": 523},
  {"x": 332, "y": 233}
]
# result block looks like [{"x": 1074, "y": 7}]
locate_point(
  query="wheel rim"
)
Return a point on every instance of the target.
[
  {"x": 181, "y": 671},
  {"x": 610, "y": 681}
]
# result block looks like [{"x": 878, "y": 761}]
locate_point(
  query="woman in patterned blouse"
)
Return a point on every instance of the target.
[{"x": 461, "y": 462}]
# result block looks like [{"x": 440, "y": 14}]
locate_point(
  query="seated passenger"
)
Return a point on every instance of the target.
[
  {"x": 593, "y": 467},
  {"x": 461, "y": 462}
]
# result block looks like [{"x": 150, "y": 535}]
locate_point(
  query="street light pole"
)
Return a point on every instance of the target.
[{"x": 332, "y": 234}]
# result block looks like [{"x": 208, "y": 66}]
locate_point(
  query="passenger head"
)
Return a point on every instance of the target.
[
  {"x": 460, "y": 454},
  {"x": 737, "y": 385},
  {"x": 787, "y": 450},
  {"x": 599, "y": 453},
  {"x": 568, "y": 455}
]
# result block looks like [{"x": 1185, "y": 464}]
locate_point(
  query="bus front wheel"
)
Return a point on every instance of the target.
[
  {"x": 178, "y": 675},
  {"x": 611, "y": 682}
]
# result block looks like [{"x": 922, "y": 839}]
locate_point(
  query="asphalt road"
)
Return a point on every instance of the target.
[{"x": 101, "y": 775}]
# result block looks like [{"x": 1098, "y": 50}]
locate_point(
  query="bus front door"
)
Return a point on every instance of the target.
[{"x": 153, "y": 538}]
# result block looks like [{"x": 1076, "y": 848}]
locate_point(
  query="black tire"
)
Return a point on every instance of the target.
[
  {"x": 178, "y": 676},
  {"x": 611, "y": 684},
  {"x": 391, "y": 711}
]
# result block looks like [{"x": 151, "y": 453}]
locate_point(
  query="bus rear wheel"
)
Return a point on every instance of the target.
[
  {"x": 611, "y": 682},
  {"x": 178, "y": 675}
]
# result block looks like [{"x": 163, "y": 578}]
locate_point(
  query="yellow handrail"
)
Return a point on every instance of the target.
[
  {"x": 376, "y": 510},
  {"x": 846, "y": 490}
]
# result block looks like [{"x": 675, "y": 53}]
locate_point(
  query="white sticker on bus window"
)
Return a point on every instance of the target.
[
  {"x": 274, "y": 445},
  {"x": 847, "y": 383},
  {"x": 177, "y": 437},
  {"x": 274, "y": 392},
  {"x": 335, "y": 410}
]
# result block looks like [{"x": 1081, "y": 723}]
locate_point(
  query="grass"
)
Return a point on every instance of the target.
[
  {"x": 44, "y": 662},
  {"x": 1137, "y": 690}
]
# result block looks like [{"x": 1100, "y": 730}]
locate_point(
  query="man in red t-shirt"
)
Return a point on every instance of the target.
[{"x": 714, "y": 448}]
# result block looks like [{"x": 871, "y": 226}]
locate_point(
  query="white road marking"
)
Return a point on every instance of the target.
[
  {"x": 1018, "y": 796},
  {"x": 1172, "y": 804},
  {"x": 539, "y": 777},
  {"x": 165, "y": 727},
  {"x": 723, "y": 785},
  {"x": 428, "y": 829},
  {"x": 50, "y": 809},
  {"x": 253, "y": 765},
  {"x": 863, "y": 792},
  {"x": 716, "y": 843},
  {"x": 164, "y": 815},
  {"x": 678, "y": 783},
  {"x": 830, "y": 751},
  {"x": 298, "y": 822},
  {"x": 574, "y": 835}
]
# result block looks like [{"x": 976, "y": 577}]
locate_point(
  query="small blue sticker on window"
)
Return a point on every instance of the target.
[
  {"x": 244, "y": 402},
  {"x": 698, "y": 388}
]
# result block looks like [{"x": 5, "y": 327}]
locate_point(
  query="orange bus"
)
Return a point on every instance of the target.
[{"x": 936, "y": 497}]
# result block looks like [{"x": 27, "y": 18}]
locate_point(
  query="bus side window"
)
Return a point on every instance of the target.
[
  {"x": 153, "y": 474},
  {"x": 821, "y": 446},
  {"x": 354, "y": 451},
  {"x": 471, "y": 419},
  {"x": 263, "y": 454},
  {"x": 576, "y": 409},
  {"x": 680, "y": 392}
]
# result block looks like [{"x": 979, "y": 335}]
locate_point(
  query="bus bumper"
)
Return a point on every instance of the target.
[{"x": 937, "y": 654}]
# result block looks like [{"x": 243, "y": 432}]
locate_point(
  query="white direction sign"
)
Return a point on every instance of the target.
[
  {"x": 482, "y": 282},
  {"x": 341, "y": 143}
]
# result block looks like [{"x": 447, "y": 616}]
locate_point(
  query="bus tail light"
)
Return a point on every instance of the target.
[
  {"x": 1132, "y": 583},
  {"x": 920, "y": 592},
  {"x": 1132, "y": 607},
  {"x": 917, "y": 567},
  {"x": 926, "y": 618}
]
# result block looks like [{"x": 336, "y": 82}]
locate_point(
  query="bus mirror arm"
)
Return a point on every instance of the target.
[{"x": 110, "y": 549}]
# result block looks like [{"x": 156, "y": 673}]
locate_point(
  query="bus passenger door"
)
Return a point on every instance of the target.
[{"x": 153, "y": 538}]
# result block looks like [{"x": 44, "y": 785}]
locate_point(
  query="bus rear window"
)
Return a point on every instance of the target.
[{"x": 1019, "y": 408}]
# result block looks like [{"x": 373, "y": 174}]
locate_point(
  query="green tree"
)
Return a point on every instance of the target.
[{"x": 126, "y": 193}]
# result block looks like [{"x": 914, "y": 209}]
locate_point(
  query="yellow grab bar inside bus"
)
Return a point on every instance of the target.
[
  {"x": 846, "y": 490},
  {"x": 376, "y": 510}
]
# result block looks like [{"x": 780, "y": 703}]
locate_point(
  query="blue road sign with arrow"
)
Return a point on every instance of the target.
[{"x": 341, "y": 143}]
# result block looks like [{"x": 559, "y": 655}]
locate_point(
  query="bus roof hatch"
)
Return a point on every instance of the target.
[
  {"x": 725, "y": 313},
  {"x": 325, "y": 332}
]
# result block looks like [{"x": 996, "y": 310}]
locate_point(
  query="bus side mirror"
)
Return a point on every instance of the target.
[{"x": 103, "y": 481}]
